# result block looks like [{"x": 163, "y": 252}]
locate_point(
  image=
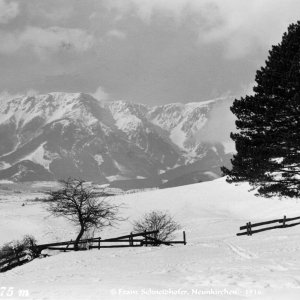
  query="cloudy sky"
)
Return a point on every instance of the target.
[{"x": 148, "y": 51}]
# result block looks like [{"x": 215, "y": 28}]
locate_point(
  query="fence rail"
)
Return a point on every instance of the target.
[
  {"x": 13, "y": 260},
  {"x": 248, "y": 227},
  {"x": 146, "y": 238}
]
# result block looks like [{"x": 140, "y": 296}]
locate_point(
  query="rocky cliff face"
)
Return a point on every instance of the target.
[{"x": 58, "y": 135}]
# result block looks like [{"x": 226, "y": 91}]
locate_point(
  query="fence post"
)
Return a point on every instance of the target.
[
  {"x": 67, "y": 246},
  {"x": 283, "y": 221},
  {"x": 249, "y": 228},
  {"x": 99, "y": 243},
  {"x": 184, "y": 239},
  {"x": 131, "y": 239},
  {"x": 17, "y": 256},
  {"x": 146, "y": 240}
]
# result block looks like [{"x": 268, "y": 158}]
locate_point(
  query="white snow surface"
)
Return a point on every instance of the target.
[
  {"x": 38, "y": 156},
  {"x": 182, "y": 121},
  {"x": 50, "y": 107},
  {"x": 215, "y": 263}
]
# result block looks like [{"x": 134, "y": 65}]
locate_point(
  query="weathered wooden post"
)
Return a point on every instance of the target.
[
  {"x": 99, "y": 243},
  {"x": 184, "y": 238},
  {"x": 17, "y": 256},
  {"x": 68, "y": 245},
  {"x": 130, "y": 239},
  {"x": 249, "y": 228},
  {"x": 146, "y": 240},
  {"x": 283, "y": 221}
]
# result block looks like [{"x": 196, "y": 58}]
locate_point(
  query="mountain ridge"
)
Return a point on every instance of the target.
[{"x": 74, "y": 134}]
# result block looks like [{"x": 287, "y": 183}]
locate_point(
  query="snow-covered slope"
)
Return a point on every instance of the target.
[
  {"x": 182, "y": 122},
  {"x": 215, "y": 263},
  {"x": 54, "y": 136}
]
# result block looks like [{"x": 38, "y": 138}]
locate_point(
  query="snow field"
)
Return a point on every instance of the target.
[{"x": 215, "y": 263}]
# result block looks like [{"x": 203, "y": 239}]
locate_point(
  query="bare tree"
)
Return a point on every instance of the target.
[
  {"x": 157, "y": 220},
  {"x": 82, "y": 205}
]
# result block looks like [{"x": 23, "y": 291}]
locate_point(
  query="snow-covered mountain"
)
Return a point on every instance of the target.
[{"x": 57, "y": 135}]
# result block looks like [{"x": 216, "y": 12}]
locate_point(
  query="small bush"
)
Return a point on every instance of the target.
[
  {"x": 157, "y": 220},
  {"x": 27, "y": 245},
  {"x": 6, "y": 250}
]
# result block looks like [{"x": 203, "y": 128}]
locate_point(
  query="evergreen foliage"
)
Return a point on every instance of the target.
[{"x": 268, "y": 124}]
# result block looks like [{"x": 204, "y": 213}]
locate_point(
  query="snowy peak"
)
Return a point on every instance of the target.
[
  {"x": 170, "y": 115},
  {"x": 178, "y": 123},
  {"x": 181, "y": 121},
  {"x": 128, "y": 116},
  {"x": 52, "y": 107}
]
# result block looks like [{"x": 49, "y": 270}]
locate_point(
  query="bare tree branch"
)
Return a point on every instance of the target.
[
  {"x": 157, "y": 220},
  {"x": 82, "y": 205}
]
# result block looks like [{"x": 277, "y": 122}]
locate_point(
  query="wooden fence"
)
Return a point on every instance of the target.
[
  {"x": 13, "y": 260},
  {"x": 146, "y": 238},
  {"x": 284, "y": 224}
]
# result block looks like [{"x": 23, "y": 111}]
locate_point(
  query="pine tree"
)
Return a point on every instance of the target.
[{"x": 268, "y": 124}]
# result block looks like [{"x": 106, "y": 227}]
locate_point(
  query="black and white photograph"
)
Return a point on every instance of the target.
[{"x": 149, "y": 149}]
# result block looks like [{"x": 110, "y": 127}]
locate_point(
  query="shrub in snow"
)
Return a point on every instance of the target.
[
  {"x": 26, "y": 245},
  {"x": 157, "y": 220}
]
